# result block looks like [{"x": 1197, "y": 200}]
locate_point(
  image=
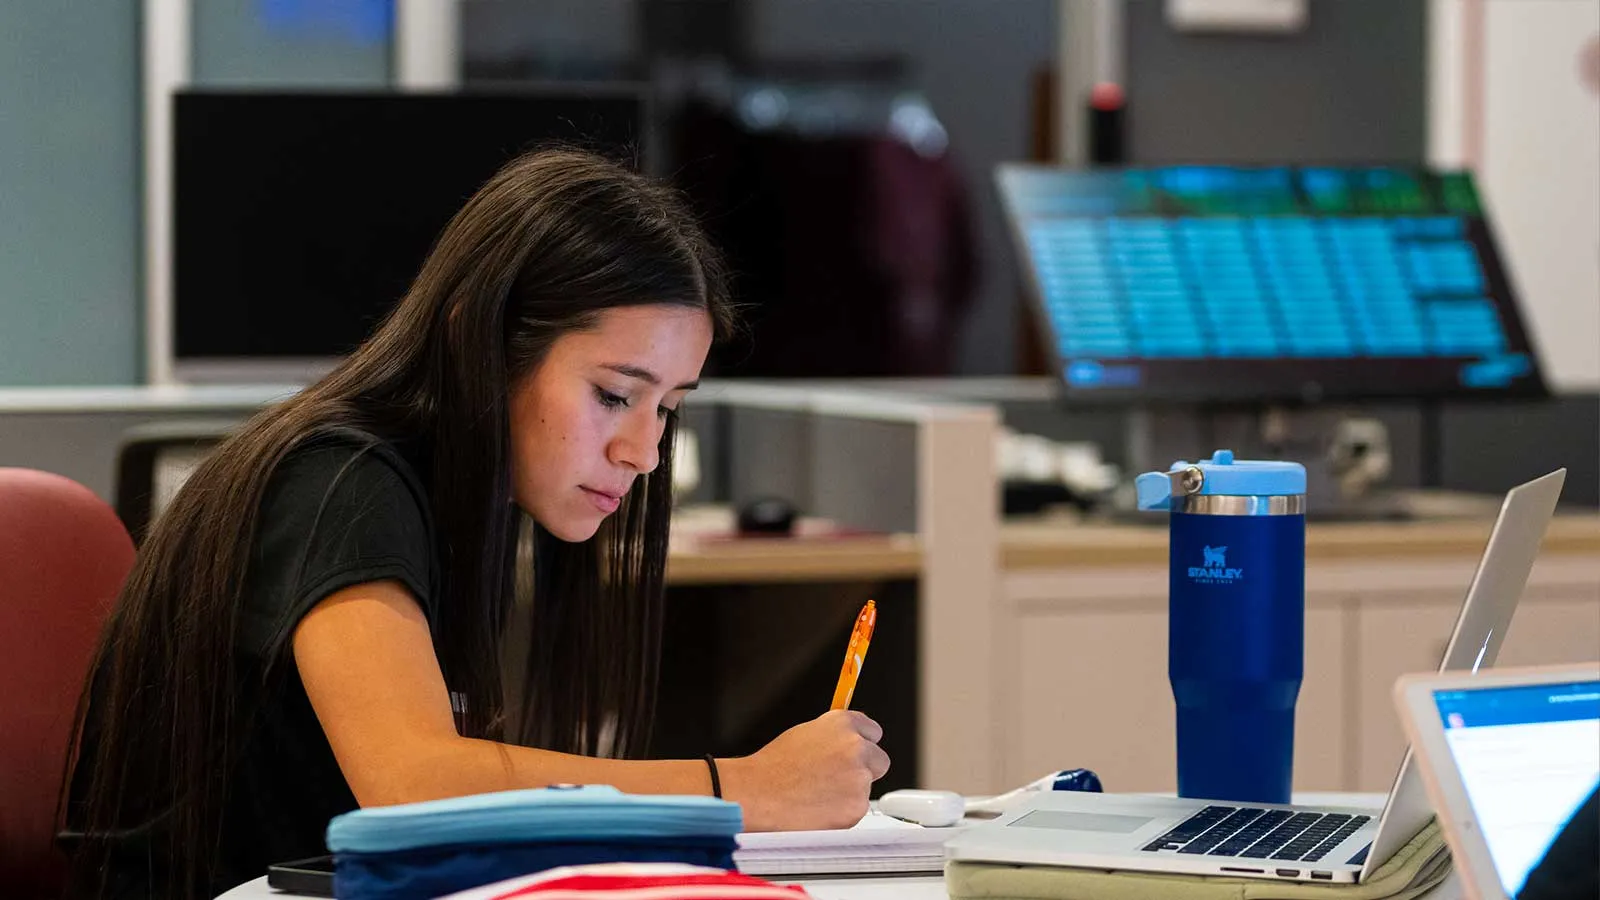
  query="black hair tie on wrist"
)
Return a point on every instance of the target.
[{"x": 716, "y": 783}]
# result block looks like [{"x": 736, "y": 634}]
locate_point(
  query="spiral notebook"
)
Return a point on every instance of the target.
[{"x": 877, "y": 845}]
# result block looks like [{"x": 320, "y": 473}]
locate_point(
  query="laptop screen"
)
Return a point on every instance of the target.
[{"x": 1528, "y": 756}]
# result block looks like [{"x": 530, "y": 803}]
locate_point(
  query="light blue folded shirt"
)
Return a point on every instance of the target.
[{"x": 586, "y": 813}]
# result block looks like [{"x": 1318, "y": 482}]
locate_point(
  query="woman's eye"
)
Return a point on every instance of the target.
[
  {"x": 665, "y": 413},
  {"x": 610, "y": 400}
]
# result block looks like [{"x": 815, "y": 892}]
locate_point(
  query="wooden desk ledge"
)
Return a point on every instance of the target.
[
  {"x": 1048, "y": 544},
  {"x": 704, "y": 550}
]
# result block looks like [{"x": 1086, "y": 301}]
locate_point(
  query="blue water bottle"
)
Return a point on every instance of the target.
[{"x": 1236, "y": 624}]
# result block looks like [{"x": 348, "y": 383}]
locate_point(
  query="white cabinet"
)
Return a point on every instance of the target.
[
  {"x": 1079, "y": 706},
  {"x": 1318, "y": 744},
  {"x": 1091, "y": 688},
  {"x": 1081, "y": 655},
  {"x": 1392, "y": 639},
  {"x": 1556, "y": 630},
  {"x": 1405, "y": 630}
]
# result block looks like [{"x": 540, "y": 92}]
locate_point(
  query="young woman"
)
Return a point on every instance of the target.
[{"x": 316, "y": 622}]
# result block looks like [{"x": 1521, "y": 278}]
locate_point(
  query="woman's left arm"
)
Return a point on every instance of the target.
[{"x": 365, "y": 655}]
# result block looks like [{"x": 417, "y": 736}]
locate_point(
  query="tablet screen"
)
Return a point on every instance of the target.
[{"x": 1528, "y": 756}]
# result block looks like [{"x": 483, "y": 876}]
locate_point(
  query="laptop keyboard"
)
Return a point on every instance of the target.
[{"x": 1250, "y": 833}]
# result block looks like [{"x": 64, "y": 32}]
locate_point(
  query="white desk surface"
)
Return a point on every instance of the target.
[
  {"x": 925, "y": 887},
  {"x": 921, "y": 887}
]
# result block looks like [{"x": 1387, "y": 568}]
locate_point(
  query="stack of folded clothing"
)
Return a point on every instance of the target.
[{"x": 420, "y": 850}]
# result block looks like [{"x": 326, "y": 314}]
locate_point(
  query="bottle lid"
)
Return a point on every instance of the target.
[{"x": 1220, "y": 475}]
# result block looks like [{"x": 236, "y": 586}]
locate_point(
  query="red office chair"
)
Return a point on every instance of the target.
[{"x": 63, "y": 556}]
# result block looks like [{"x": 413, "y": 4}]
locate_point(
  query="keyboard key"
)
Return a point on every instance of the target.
[
  {"x": 1283, "y": 834},
  {"x": 1195, "y": 825},
  {"x": 1251, "y": 833},
  {"x": 1221, "y": 831},
  {"x": 1333, "y": 840},
  {"x": 1311, "y": 837}
]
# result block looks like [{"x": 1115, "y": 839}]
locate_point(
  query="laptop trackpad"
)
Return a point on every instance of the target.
[{"x": 1081, "y": 821}]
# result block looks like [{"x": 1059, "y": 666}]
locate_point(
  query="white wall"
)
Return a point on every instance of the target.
[
  {"x": 69, "y": 192},
  {"x": 1539, "y": 171}
]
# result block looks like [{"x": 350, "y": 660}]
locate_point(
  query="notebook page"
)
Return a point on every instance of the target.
[{"x": 874, "y": 830}]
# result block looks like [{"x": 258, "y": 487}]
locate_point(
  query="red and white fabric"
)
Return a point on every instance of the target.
[{"x": 634, "y": 881}]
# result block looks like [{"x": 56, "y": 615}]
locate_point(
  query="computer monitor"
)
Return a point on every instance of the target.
[
  {"x": 301, "y": 218},
  {"x": 1276, "y": 284}
]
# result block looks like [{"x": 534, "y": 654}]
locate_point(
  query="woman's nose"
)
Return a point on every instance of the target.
[{"x": 637, "y": 445}]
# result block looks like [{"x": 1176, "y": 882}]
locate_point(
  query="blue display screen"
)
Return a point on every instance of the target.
[
  {"x": 1481, "y": 708},
  {"x": 1527, "y": 758},
  {"x": 1350, "y": 277}
]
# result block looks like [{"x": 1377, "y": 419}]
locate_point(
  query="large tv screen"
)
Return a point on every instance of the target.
[
  {"x": 1288, "y": 283},
  {"x": 301, "y": 218}
]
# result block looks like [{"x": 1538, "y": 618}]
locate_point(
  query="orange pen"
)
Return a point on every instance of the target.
[{"x": 854, "y": 654}]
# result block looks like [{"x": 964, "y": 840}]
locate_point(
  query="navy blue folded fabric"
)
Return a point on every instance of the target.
[
  {"x": 421, "y": 850},
  {"x": 429, "y": 872}
]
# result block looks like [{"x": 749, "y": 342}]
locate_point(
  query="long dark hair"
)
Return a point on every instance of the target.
[{"x": 545, "y": 246}]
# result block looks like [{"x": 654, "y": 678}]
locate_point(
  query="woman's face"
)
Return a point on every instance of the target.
[{"x": 588, "y": 419}]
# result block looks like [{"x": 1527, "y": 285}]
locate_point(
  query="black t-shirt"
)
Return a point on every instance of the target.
[
  {"x": 1570, "y": 869},
  {"x": 342, "y": 509}
]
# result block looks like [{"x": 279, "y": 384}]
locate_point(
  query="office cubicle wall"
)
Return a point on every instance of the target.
[
  {"x": 878, "y": 462},
  {"x": 77, "y": 432},
  {"x": 859, "y": 471}
]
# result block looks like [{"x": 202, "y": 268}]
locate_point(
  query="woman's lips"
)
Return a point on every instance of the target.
[{"x": 606, "y": 503}]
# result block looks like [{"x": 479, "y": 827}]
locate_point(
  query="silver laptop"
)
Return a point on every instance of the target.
[{"x": 1263, "y": 840}]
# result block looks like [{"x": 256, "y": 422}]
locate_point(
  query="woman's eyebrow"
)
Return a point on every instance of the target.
[{"x": 646, "y": 375}]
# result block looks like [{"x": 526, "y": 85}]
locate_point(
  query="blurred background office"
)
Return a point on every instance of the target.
[
  {"x": 843, "y": 151},
  {"x": 204, "y": 203}
]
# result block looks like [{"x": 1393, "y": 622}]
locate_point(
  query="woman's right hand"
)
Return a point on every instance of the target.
[{"x": 815, "y": 775}]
